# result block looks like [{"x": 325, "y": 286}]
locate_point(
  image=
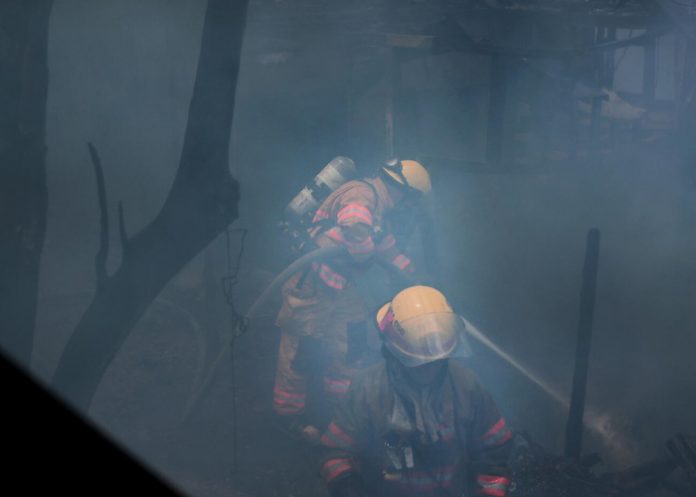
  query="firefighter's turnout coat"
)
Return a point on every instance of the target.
[
  {"x": 466, "y": 457},
  {"x": 321, "y": 302}
]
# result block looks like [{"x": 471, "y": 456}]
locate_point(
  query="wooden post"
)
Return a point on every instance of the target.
[{"x": 574, "y": 427}]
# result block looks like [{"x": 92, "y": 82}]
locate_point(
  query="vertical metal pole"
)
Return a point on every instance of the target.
[
  {"x": 686, "y": 83},
  {"x": 649, "y": 69},
  {"x": 496, "y": 111},
  {"x": 609, "y": 73},
  {"x": 393, "y": 70},
  {"x": 574, "y": 427},
  {"x": 609, "y": 60},
  {"x": 349, "y": 139},
  {"x": 599, "y": 67}
]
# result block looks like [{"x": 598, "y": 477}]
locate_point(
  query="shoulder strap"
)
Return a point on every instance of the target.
[{"x": 374, "y": 190}]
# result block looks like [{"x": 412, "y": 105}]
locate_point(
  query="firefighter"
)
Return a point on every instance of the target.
[
  {"x": 322, "y": 320},
  {"x": 420, "y": 423}
]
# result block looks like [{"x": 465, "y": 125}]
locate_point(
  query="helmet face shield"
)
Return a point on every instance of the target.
[{"x": 425, "y": 338}]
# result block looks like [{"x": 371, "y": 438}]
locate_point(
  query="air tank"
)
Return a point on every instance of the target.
[{"x": 302, "y": 208}]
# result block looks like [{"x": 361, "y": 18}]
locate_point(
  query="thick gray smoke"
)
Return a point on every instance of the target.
[{"x": 510, "y": 238}]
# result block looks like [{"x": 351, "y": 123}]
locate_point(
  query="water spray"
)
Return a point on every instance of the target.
[{"x": 601, "y": 424}]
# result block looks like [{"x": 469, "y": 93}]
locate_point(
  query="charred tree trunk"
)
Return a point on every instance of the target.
[
  {"x": 202, "y": 202},
  {"x": 23, "y": 197}
]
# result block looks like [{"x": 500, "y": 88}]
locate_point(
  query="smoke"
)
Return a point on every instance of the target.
[
  {"x": 510, "y": 236},
  {"x": 602, "y": 424}
]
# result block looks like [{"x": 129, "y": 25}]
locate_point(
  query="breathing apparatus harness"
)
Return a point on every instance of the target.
[{"x": 299, "y": 214}]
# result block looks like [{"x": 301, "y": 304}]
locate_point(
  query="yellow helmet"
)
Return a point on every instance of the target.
[
  {"x": 419, "y": 326},
  {"x": 409, "y": 173}
]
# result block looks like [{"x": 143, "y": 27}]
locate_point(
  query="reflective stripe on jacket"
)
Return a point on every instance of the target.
[{"x": 469, "y": 455}]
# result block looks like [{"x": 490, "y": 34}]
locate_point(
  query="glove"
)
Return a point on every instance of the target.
[
  {"x": 357, "y": 234},
  {"x": 295, "y": 427},
  {"x": 347, "y": 486}
]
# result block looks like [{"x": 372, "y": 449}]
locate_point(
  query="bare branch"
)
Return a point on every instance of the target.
[
  {"x": 102, "y": 254},
  {"x": 201, "y": 204}
]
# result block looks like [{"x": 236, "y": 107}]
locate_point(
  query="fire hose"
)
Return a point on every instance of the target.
[
  {"x": 242, "y": 325},
  {"x": 596, "y": 422}
]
